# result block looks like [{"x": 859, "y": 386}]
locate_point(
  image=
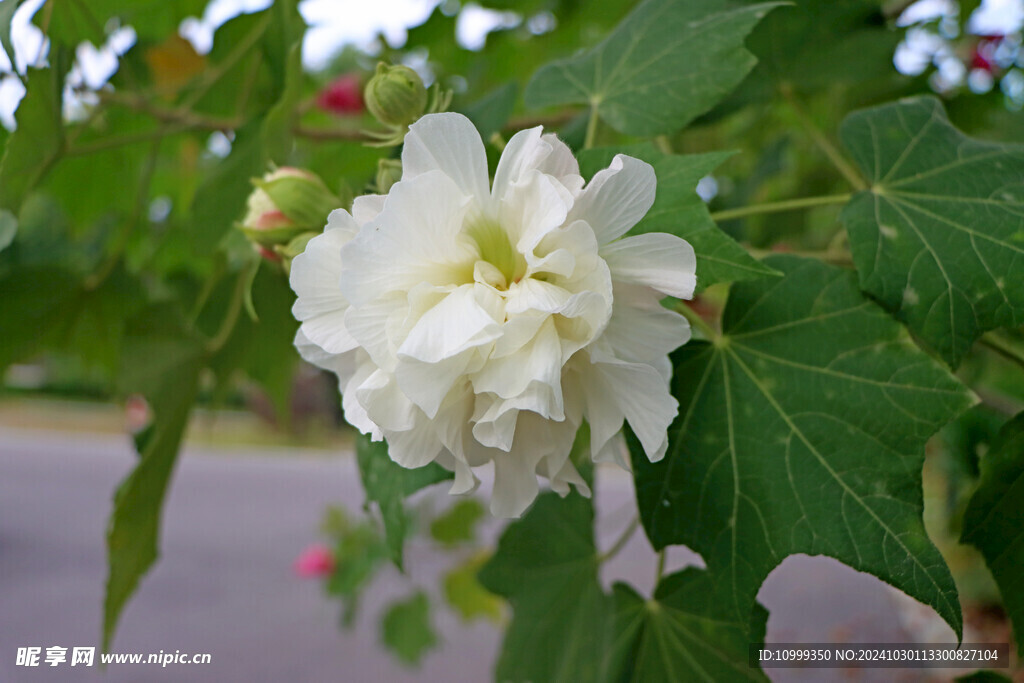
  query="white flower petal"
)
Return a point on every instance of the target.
[
  {"x": 367, "y": 207},
  {"x": 515, "y": 484},
  {"x": 643, "y": 397},
  {"x": 532, "y": 208},
  {"x": 455, "y": 324},
  {"x": 615, "y": 451},
  {"x": 567, "y": 474},
  {"x": 616, "y": 198},
  {"x": 538, "y": 362},
  {"x": 536, "y": 295},
  {"x": 371, "y": 323},
  {"x": 451, "y": 144},
  {"x": 659, "y": 261},
  {"x": 528, "y": 150},
  {"x": 315, "y": 272},
  {"x": 641, "y": 329},
  {"x": 465, "y": 481},
  {"x": 427, "y": 384},
  {"x": 414, "y": 447},
  {"x": 385, "y": 404},
  {"x": 355, "y": 413},
  {"x": 600, "y": 408},
  {"x": 415, "y": 239},
  {"x": 496, "y": 427}
]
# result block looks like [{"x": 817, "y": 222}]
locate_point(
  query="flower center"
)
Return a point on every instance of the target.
[{"x": 496, "y": 248}]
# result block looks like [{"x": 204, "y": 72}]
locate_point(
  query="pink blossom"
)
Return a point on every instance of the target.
[{"x": 316, "y": 560}]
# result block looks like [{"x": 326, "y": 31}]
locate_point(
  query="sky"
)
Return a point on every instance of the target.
[{"x": 360, "y": 23}]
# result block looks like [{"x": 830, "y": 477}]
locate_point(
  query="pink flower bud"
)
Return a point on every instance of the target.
[
  {"x": 316, "y": 560},
  {"x": 137, "y": 415}
]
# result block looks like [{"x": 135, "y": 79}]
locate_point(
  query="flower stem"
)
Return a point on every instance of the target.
[
  {"x": 785, "y": 205},
  {"x": 588, "y": 141},
  {"x": 227, "y": 326},
  {"x": 696, "y": 321},
  {"x": 839, "y": 257},
  {"x": 1003, "y": 347},
  {"x": 824, "y": 144},
  {"x": 621, "y": 542}
]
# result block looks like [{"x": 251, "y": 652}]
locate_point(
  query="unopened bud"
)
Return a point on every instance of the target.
[
  {"x": 285, "y": 253},
  {"x": 286, "y": 202},
  {"x": 389, "y": 172},
  {"x": 395, "y": 95}
]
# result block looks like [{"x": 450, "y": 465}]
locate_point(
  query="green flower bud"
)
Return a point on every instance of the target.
[
  {"x": 395, "y": 95},
  {"x": 287, "y": 252},
  {"x": 286, "y": 202},
  {"x": 389, "y": 172}
]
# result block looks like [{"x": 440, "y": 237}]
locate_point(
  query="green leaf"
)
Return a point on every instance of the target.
[
  {"x": 679, "y": 210},
  {"x": 802, "y": 430},
  {"x": 491, "y": 112},
  {"x": 815, "y": 44},
  {"x": 220, "y": 199},
  {"x": 984, "y": 677},
  {"x": 465, "y": 595},
  {"x": 36, "y": 300},
  {"x": 74, "y": 21},
  {"x": 939, "y": 236},
  {"x": 276, "y": 132},
  {"x": 39, "y": 139},
  {"x": 456, "y": 525},
  {"x": 546, "y": 566},
  {"x": 406, "y": 629},
  {"x": 664, "y": 65},
  {"x": 262, "y": 348},
  {"x": 680, "y": 634},
  {"x": 161, "y": 360},
  {"x": 8, "y": 228},
  {"x": 359, "y": 552},
  {"x": 388, "y": 484},
  {"x": 994, "y": 520}
]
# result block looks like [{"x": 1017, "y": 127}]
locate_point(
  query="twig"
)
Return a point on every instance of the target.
[
  {"x": 696, "y": 321},
  {"x": 1003, "y": 347},
  {"x": 775, "y": 207},
  {"x": 621, "y": 542},
  {"x": 838, "y": 160}
]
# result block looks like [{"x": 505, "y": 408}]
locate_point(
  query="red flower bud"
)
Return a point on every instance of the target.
[{"x": 342, "y": 96}]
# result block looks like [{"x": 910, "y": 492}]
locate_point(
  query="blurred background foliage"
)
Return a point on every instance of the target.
[{"x": 121, "y": 270}]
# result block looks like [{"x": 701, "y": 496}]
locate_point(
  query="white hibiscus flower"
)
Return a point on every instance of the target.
[{"x": 471, "y": 323}]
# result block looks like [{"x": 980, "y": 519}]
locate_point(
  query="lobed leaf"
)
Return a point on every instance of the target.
[
  {"x": 39, "y": 139},
  {"x": 802, "y": 430},
  {"x": 939, "y": 235},
  {"x": 664, "y": 65},
  {"x": 161, "y": 360},
  {"x": 546, "y": 567},
  {"x": 406, "y": 629},
  {"x": 465, "y": 595},
  {"x": 994, "y": 520},
  {"x": 388, "y": 484},
  {"x": 681, "y": 635}
]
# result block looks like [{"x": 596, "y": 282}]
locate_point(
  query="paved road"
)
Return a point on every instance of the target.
[{"x": 234, "y": 523}]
